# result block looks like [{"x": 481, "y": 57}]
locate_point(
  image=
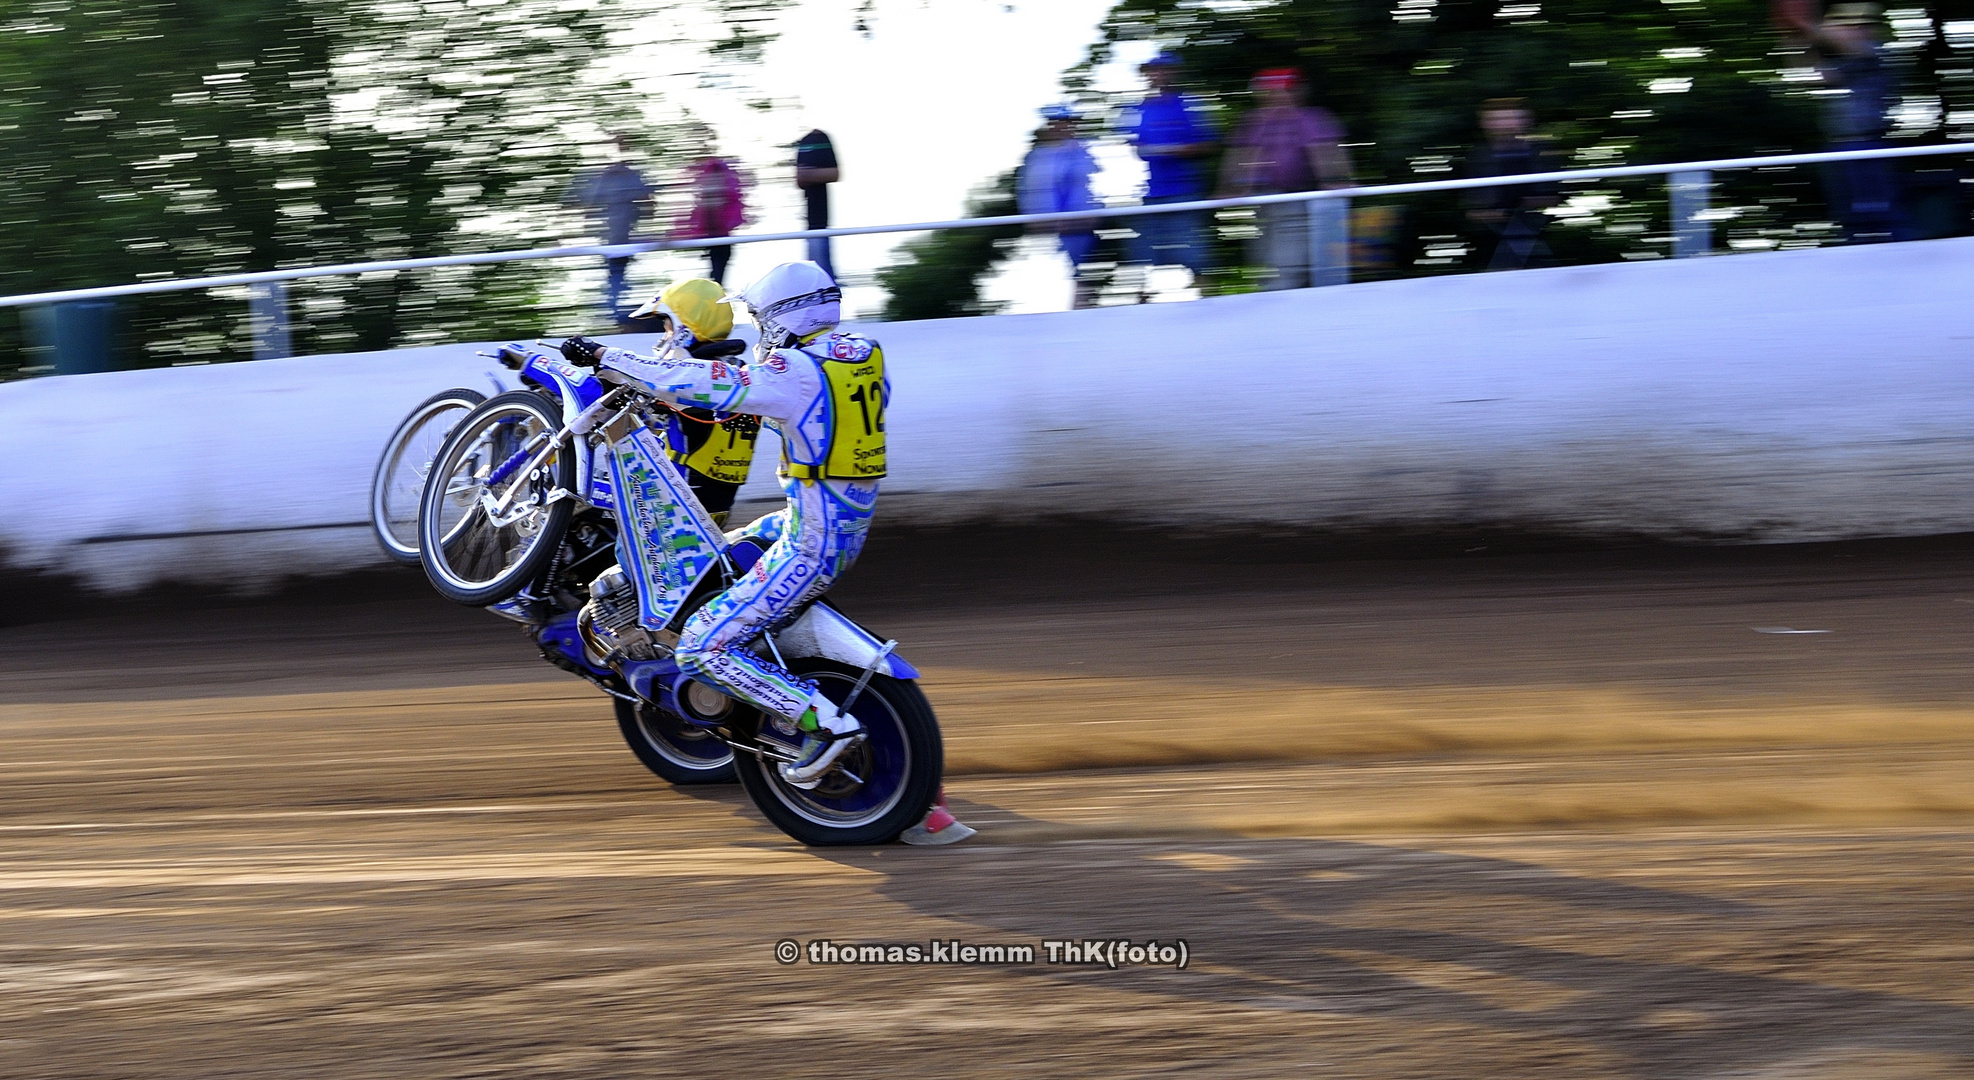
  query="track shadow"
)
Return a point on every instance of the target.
[{"x": 1320, "y": 926}]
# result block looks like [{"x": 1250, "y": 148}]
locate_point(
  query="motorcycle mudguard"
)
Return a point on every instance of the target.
[
  {"x": 826, "y": 632},
  {"x": 577, "y": 389},
  {"x": 563, "y": 379}
]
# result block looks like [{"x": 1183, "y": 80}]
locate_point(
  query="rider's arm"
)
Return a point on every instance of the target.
[
  {"x": 683, "y": 380},
  {"x": 714, "y": 384}
]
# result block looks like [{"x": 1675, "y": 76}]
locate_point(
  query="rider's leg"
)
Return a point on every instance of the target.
[
  {"x": 821, "y": 536},
  {"x": 939, "y": 826},
  {"x": 712, "y": 644},
  {"x": 763, "y": 530}
]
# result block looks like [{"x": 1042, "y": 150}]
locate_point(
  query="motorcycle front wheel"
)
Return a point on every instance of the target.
[
  {"x": 877, "y": 789},
  {"x": 486, "y": 524},
  {"x": 399, "y": 482}
]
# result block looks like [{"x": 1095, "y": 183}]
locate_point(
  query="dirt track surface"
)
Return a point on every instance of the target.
[{"x": 1541, "y": 815}]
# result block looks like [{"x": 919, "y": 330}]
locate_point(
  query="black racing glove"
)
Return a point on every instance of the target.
[{"x": 581, "y": 351}]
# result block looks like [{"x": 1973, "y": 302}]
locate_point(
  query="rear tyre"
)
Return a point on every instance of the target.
[
  {"x": 475, "y": 550},
  {"x": 678, "y": 751},
  {"x": 399, "y": 482},
  {"x": 878, "y": 789}
]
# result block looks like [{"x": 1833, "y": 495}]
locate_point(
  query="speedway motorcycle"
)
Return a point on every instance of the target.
[
  {"x": 558, "y": 506},
  {"x": 395, "y": 489}
]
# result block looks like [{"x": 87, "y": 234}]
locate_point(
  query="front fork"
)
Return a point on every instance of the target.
[{"x": 574, "y": 435}]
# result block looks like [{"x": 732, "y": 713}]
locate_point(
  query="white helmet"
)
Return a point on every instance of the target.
[{"x": 793, "y": 301}]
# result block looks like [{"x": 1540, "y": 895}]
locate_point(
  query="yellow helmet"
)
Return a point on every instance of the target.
[{"x": 697, "y": 304}]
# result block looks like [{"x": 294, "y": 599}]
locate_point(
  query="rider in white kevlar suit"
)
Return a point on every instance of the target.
[{"x": 824, "y": 393}]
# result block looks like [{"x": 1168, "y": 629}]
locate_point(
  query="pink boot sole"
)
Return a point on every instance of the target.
[{"x": 939, "y": 827}]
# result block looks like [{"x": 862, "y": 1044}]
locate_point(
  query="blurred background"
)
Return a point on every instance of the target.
[{"x": 183, "y": 139}]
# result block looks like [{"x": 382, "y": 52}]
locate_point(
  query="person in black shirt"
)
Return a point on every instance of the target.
[
  {"x": 1859, "y": 88},
  {"x": 815, "y": 170},
  {"x": 1513, "y": 215}
]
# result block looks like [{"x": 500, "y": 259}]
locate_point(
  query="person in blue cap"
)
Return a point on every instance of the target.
[
  {"x": 1055, "y": 179},
  {"x": 1171, "y": 133}
]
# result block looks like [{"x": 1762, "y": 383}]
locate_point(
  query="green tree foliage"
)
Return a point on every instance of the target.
[
  {"x": 938, "y": 274},
  {"x": 173, "y": 138},
  {"x": 1405, "y": 77},
  {"x": 1608, "y": 81}
]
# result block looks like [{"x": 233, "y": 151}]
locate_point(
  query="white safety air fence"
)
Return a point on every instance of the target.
[{"x": 1766, "y": 397}]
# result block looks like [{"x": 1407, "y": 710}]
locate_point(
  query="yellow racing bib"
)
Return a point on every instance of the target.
[
  {"x": 727, "y": 452},
  {"x": 853, "y": 379},
  {"x": 856, "y": 398}
]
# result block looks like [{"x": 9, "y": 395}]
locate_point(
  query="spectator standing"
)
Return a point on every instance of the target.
[
  {"x": 1055, "y": 179},
  {"x": 620, "y": 197},
  {"x": 1512, "y": 215},
  {"x": 815, "y": 170},
  {"x": 1171, "y": 134},
  {"x": 1285, "y": 146},
  {"x": 718, "y": 207},
  {"x": 1846, "y": 47}
]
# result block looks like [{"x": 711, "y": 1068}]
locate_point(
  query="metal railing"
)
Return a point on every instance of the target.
[{"x": 1690, "y": 187}]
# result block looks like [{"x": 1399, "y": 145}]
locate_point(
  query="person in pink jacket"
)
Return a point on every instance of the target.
[{"x": 718, "y": 207}]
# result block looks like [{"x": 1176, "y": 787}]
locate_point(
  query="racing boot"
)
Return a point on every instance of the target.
[
  {"x": 826, "y": 733},
  {"x": 939, "y": 827}
]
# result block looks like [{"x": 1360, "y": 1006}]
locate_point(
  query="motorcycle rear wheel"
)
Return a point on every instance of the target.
[
  {"x": 473, "y": 553},
  {"x": 398, "y": 485},
  {"x": 880, "y": 788},
  {"x": 677, "y": 751}
]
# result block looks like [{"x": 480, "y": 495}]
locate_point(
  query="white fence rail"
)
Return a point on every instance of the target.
[
  {"x": 1690, "y": 184},
  {"x": 615, "y": 251}
]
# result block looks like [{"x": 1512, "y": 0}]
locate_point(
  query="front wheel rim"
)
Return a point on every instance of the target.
[{"x": 474, "y": 535}]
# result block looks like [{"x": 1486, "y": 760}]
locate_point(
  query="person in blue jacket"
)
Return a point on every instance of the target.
[
  {"x": 1055, "y": 179},
  {"x": 1171, "y": 133}
]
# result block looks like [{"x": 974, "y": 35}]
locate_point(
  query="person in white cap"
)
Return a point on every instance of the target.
[
  {"x": 1055, "y": 179},
  {"x": 825, "y": 394}
]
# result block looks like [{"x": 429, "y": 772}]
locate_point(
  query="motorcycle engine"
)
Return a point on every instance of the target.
[{"x": 609, "y": 627}]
